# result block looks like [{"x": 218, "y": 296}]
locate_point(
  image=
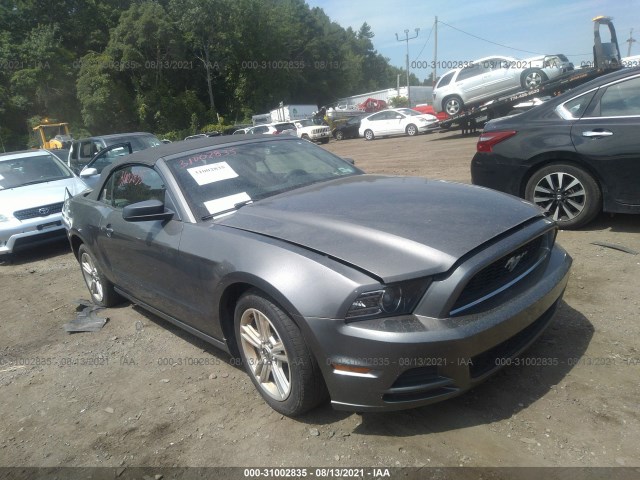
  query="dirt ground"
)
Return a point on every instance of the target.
[{"x": 140, "y": 392}]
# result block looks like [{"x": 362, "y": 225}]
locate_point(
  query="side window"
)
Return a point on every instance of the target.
[
  {"x": 577, "y": 106},
  {"x": 378, "y": 116},
  {"x": 470, "y": 72},
  {"x": 444, "y": 81},
  {"x": 621, "y": 99},
  {"x": 132, "y": 184}
]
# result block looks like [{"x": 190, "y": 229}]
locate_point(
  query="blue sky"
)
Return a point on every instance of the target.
[{"x": 539, "y": 26}]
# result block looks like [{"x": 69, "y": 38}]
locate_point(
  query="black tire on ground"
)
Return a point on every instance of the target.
[
  {"x": 325, "y": 140},
  {"x": 368, "y": 135},
  {"x": 411, "y": 130},
  {"x": 533, "y": 78},
  {"x": 276, "y": 357},
  {"x": 452, "y": 104},
  {"x": 569, "y": 194},
  {"x": 101, "y": 290},
  {"x": 339, "y": 135}
]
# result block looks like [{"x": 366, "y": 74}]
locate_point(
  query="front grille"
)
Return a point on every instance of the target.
[
  {"x": 36, "y": 212},
  {"x": 500, "y": 273}
]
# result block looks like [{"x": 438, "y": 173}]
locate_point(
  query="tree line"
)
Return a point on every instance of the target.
[{"x": 173, "y": 67}]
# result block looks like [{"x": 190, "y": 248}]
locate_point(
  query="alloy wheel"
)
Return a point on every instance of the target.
[
  {"x": 561, "y": 195},
  {"x": 92, "y": 277},
  {"x": 265, "y": 353}
]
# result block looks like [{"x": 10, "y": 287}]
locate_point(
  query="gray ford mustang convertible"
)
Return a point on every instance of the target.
[{"x": 380, "y": 292}]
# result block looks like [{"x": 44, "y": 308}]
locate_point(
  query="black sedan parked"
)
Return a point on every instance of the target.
[
  {"x": 382, "y": 292},
  {"x": 349, "y": 129},
  {"x": 574, "y": 156}
]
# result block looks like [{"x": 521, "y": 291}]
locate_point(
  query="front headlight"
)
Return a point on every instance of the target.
[{"x": 396, "y": 299}]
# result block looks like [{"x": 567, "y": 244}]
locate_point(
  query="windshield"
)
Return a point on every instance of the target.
[
  {"x": 32, "y": 169},
  {"x": 222, "y": 179},
  {"x": 304, "y": 123}
]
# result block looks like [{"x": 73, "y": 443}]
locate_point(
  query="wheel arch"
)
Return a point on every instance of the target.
[
  {"x": 75, "y": 242},
  {"x": 237, "y": 285}
]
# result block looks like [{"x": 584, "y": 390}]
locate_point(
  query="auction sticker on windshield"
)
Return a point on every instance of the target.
[{"x": 215, "y": 172}]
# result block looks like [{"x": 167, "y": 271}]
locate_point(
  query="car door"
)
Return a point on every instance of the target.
[
  {"x": 143, "y": 256},
  {"x": 471, "y": 81},
  {"x": 377, "y": 123},
  {"x": 397, "y": 123},
  {"x": 499, "y": 75},
  {"x": 607, "y": 138}
]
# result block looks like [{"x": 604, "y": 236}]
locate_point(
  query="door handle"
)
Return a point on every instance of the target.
[
  {"x": 108, "y": 230},
  {"x": 597, "y": 133}
]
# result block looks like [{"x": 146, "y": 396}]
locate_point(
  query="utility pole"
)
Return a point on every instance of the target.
[
  {"x": 630, "y": 41},
  {"x": 435, "y": 53},
  {"x": 406, "y": 39}
]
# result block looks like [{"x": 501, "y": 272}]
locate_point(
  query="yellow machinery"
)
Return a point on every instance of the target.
[{"x": 53, "y": 135}]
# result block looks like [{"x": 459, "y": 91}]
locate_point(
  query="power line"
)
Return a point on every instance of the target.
[
  {"x": 425, "y": 44},
  {"x": 502, "y": 45}
]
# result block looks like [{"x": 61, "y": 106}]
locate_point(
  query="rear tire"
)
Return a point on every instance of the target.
[
  {"x": 368, "y": 135},
  {"x": 532, "y": 79},
  {"x": 101, "y": 290},
  {"x": 567, "y": 193},
  {"x": 276, "y": 357},
  {"x": 452, "y": 105}
]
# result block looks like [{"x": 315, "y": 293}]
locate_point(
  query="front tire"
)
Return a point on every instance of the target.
[
  {"x": 567, "y": 193},
  {"x": 101, "y": 290},
  {"x": 339, "y": 135},
  {"x": 411, "y": 130},
  {"x": 276, "y": 357},
  {"x": 368, "y": 135}
]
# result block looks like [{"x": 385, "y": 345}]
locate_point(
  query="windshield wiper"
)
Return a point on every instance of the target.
[{"x": 236, "y": 206}]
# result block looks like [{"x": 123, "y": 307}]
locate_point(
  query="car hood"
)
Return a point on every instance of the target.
[
  {"x": 392, "y": 227},
  {"x": 30, "y": 196}
]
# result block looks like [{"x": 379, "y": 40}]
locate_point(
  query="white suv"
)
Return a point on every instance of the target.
[
  {"x": 308, "y": 130},
  {"x": 285, "y": 128},
  {"x": 484, "y": 78}
]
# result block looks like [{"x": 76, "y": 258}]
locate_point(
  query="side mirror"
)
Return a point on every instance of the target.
[
  {"x": 88, "y": 172},
  {"x": 146, "y": 211}
]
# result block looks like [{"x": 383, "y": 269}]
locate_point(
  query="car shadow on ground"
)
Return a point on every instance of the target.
[
  {"x": 619, "y": 222},
  {"x": 505, "y": 394},
  {"x": 502, "y": 396},
  {"x": 324, "y": 414},
  {"x": 50, "y": 250},
  {"x": 454, "y": 135}
]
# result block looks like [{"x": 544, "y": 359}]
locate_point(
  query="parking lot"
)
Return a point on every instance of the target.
[{"x": 142, "y": 392}]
